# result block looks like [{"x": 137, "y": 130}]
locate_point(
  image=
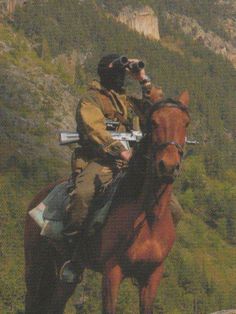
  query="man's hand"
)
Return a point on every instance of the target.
[
  {"x": 126, "y": 155},
  {"x": 139, "y": 76}
]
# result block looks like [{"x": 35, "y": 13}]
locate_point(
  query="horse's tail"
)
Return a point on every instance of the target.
[{"x": 40, "y": 265}]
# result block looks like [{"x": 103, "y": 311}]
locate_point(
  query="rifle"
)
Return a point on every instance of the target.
[
  {"x": 125, "y": 137},
  {"x": 133, "y": 136}
]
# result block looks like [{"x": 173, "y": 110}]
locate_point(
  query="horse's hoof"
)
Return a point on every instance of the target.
[{"x": 69, "y": 273}]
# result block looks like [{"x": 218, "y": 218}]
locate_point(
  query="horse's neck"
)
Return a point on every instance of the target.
[
  {"x": 162, "y": 195},
  {"x": 155, "y": 197}
]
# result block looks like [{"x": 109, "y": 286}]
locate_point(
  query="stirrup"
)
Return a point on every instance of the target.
[
  {"x": 70, "y": 234},
  {"x": 70, "y": 230},
  {"x": 69, "y": 274}
]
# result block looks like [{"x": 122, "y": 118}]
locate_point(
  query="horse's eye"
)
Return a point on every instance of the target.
[
  {"x": 154, "y": 124},
  {"x": 186, "y": 122}
]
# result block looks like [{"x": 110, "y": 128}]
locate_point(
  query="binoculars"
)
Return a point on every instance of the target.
[{"x": 123, "y": 62}]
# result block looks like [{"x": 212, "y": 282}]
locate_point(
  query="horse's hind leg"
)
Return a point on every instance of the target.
[
  {"x": 148, "y": 290},
  {"x": 40, "y": 271},
  {"x": 40, "y": 278},
  {"x": 46, "y": 294},
  {"x": 112, "y": 278},
  {"x": 62, "y": 293}
]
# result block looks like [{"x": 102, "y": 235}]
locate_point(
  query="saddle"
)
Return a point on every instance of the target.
[{"x": 51, "y": 212}]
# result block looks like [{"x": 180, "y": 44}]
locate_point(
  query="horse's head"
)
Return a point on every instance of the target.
[{"x": 169, "y": 120}]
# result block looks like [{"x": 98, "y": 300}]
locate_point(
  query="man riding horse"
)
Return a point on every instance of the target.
[{"x": 101, "y": 157}]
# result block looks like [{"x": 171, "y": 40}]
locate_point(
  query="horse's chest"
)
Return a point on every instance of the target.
[{"x": 149, "y": 250}]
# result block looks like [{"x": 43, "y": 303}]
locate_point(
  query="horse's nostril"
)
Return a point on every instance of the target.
[
  {"x": 162, "y": 166},
  {"x": 177, "y": 167}
]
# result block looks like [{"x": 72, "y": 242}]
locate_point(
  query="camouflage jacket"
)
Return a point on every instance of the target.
[{"x": 98, "y": 104}]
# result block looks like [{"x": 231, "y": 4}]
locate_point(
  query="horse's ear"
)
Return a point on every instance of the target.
[
  {"x": 184, "y": 98},
  {"x": 156, "y": 94}
]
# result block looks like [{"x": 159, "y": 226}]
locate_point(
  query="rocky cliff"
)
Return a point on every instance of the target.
[
  {"x": 142, "y": 20},
  {"x": 226, "y": 312},
  {"x": 9, "y": 6},
  {"x": 211, "y": 40}
]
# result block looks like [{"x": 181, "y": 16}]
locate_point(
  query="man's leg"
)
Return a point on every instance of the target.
[{"x": 87, "y": 184}]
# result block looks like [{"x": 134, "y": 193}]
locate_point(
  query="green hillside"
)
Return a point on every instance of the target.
[{"x": 38, "y": 97}]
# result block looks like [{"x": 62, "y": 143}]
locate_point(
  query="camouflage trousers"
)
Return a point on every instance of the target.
[{"x": 88, "y": 183}]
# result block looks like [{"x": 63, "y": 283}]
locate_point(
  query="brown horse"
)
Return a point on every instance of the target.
[{"x": 138, "y": 233}]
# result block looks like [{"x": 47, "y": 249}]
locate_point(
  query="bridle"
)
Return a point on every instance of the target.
[
  {"x": 156, "y": 147},
  {"x": 170, "y": 103}
]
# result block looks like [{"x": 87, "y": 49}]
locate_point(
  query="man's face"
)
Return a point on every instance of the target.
[
  {"x": 118, "y": 80},
  {"x": 112, "y": 74},
  {"x": 114, "y": 79}
]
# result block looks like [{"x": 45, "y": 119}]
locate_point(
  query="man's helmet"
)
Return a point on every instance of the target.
[{"x": 111, "y": 72}]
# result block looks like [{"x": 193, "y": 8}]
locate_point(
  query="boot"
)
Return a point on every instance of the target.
[
  {"x": 52, "y": 230},
  {"x": 72, "y": 270}
]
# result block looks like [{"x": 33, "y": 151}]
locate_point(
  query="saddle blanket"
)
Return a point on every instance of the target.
[{"x": 50, "y": 213}]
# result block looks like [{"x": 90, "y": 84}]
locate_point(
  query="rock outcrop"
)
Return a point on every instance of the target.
[
  {"x": 8, "y": 6},
  {"x": 228, "y": 4},
  {"x": 190, "y": 27},
  {"x": 229, "y": 26},
  {"x": 142, "y": 20},
  {"x": 226, "y": 312}
]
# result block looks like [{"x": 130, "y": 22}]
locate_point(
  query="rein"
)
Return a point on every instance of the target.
[{"x": 157, "y": 147}]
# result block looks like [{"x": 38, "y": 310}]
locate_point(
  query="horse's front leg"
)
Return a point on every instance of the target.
[
  {"x": 112, "y": 277},
  {"x": 148, "y": 290}
]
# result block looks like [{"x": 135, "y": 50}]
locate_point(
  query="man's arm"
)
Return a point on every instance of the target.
[
  {"x": 91, "y": 121},
  {"x": 150, "y": 93}
]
